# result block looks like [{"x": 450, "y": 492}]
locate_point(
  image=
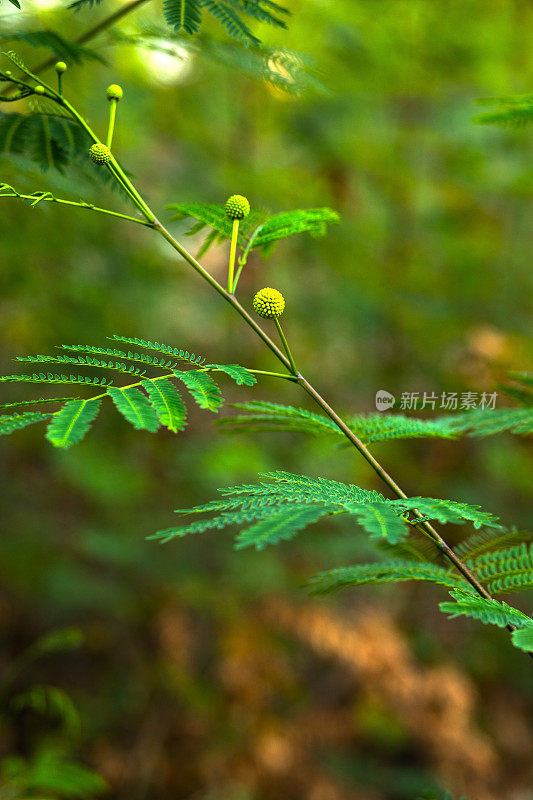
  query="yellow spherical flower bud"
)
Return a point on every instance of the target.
[
  {"x": 269, "y": 303},
  {"x": 237, "y": 207},
  {"x": 39, "y": 90},
  {"x": 114, "y": 92},
  {"x": 60, "y": 67},
  {"x": 99, "y": 153}
]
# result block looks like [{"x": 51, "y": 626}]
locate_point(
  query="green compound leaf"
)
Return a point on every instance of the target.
[
  {"x": 50, "y": 140},
  {"x": 61, "y": 48},
  {"x": 258, "y": 230},
  {"x": 492, "y": 612},
  {"x": 37, "y": 401},
  {"x": 15, "y": 422},
  {"x": 183, "y": 14},
  {"x": 281, "y": 526},
  {"x": 508, "y": 570},
  {"x": 391, "y": 571},
  {"x": 513, "y": 111},
  {"x": 379, "y": 520},
  {"x": 375, "y": 427},
  {"x": 486, "y": 541},
  {"x": 135, "y": 407},
  {"x": 71, "y": 423},
  {"x": 240, "y": 375},
  {"x": 203, "y": 389},
  {"x": 523, "y": 638},
  {"x": 84, "y": 361},
  {"x": 447, "y": 511},
  {"x": 167, "y": 402},
  {"x": 49, "y": 377},
  {"x": 182, "y": 355}
]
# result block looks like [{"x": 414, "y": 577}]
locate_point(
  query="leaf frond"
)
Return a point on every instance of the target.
[
  {"x": 69, "y": 425},
  {"x": 167, "y": 403},
  {"x": 202, "y": 387},
  {"x": 494, "y": 612},
  {"x": 485, "y": 541},
  {"x": 135, "y": 407},
  {"x": 509, "y": 570},
  {"x": 182, "y": 355},
  {"x": 390, "y": 571}
]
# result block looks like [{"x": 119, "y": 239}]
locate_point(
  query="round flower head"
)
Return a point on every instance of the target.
[
  {"x": 99, "y": 153},
  {"x": 114, "y": 92},
  {"x": 39, "y": 90},
  {"x": 237, "y": 207},
  {"x": 60, "y": 67},
  {"x": 269, "y": 303}
]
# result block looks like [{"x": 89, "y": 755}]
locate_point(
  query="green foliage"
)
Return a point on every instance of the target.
[
  {"x": 258, "y": 231},
  {"x": 64, "y": 49},
  {"x": 135, "y": 407},
  {"x": 508, "y": 111},
  {"x": 183, "y": 355},
  {"x": 87, "y": 361},
  {"x": 285, "y": 494},
  {"x": 278, "y": 526},
  {"x": 486, "y": 541},
  {"x": 379, "y": 520},
  {"x": 240, "y": 375},
  {"x": 187, "y": 15},
  {"x": 523, "y": 638},
  {"x": 376, "y": 427},
  {"x": 49, "y": 377},
  {"x": 9, "y": 423},
  {"x": 202, "y": 387},
  {"x": 71, "y": 423},
  {"x": 487, "y": 422},
  {"x": 167, "y": 403},
  {"x": 50, "y": 773},
  {"x": 50, "y": 140},
  {"x": 161, "y": 405},
  {"x": 266, "y": 416},
  {"x": 183, "y": 14},
  {"x": 80, "y": 4},
  {"x": 51, "y": 702},
  {"x": 508, "y": 570},
  {"x": 492, "y": 612},
  {"x": 521, "y": 390},
  {"x": 391, "y": 571},
  {"x": 446, "y": 511}
]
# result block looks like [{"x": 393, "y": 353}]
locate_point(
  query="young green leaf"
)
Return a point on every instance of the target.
[
  {"x": 15, "y": 422},
  {"x": 493, "y": 612},
  {"x": 240, "y": 375},
  {"x": 71, "y": 423},
  {"x": 135, "y": 407},
  {"x": 379, "y": 520},
  {"x": 202, "y": 387},
  {"x": 391, "y": 571},
  {"x": 523, "y": 638},
  {"x": 167, "y": 402},
  {"x": 277, "y": 527}
]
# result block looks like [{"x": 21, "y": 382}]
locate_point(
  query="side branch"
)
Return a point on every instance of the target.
[{"x": 38, "y": 197}]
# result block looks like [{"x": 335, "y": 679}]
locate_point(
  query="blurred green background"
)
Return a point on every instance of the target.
[{"x": 205, "y": 673}]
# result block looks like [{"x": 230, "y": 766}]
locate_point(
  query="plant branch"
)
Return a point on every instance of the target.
[
  {"x": 39, "y": 197},
  {"x": 423, "y": 525},
  {"x": 89, "y": 34}
]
